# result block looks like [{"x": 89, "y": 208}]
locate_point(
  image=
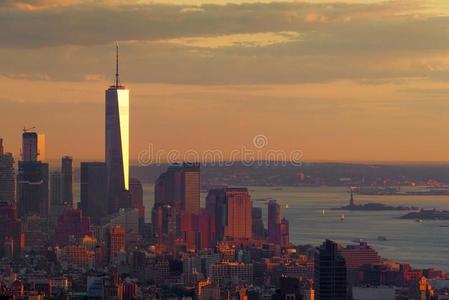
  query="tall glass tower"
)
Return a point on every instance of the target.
[{"x": 117, "y": 140}]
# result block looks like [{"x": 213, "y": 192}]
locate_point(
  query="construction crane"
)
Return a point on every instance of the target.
[{"x": 28, "y": 129}]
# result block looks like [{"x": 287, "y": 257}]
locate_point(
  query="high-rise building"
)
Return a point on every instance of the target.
[
  {"x": 116, "y": 241},
  {"x": 29, "y": 146},
  {"x": 67, "y": 181},
  {"x": 274, "y": 222},
  {"x": 136, "y": 191},
  {"x": 258, "y": 226},
  {"x": 233, "y": 213},
  {"x": 330, "y": 272},
  {"x": 356, "y": 256},
  {"x": 32, "y": 189},
  {"x": 33, "y": 146},
  {"x": 167, "y": 188},
  {"x": 284, "y": 233},
  {"x": 94, "y": 190},
  {"x": 191, "y": 188},
  {"x": 72, "y": 224},
  {"x": 32, "y": 178},
  {"x": 11, "y": 230},
  {"x": 55, "y": 188},
  {"x": 117, "y": 140},
  {"x": 7, "y": 181}
]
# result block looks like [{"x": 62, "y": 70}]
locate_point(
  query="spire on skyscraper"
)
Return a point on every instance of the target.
[{"x": 116, "y": 65}]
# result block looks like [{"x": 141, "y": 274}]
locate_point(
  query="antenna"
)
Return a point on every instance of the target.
[{"x": 116, "y": 66}]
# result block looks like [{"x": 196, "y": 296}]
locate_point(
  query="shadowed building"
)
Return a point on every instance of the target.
[
  {"x": 32, "y": 177},
  {"x": 67, "y": 181},
  {"x": 93, "y": 191},
  {"x": 274, "y": 222},
  {"x": 136, "y": 191},
  {"x": 7, "y": 181},
  {"x": 330, "y": 272},
  {"x": 11, "y": 232},
  {"x": 72, "y": 223}
]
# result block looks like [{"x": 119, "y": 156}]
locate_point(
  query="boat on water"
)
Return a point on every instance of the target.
[
  {"x": 381, "y": 238},
  {"x": 342, "y": 217},
  {"x": 419, "y": 220}
]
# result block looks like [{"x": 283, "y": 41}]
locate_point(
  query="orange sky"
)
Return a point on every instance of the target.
[{"x": 355, "y": 81}]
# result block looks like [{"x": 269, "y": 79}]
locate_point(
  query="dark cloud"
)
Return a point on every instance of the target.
[{"x": 368, "y": 43}]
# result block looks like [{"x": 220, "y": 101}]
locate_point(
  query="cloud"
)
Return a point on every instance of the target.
[
  {"x": 261, "y": 39},
  {"x": 278, "y": 42}
]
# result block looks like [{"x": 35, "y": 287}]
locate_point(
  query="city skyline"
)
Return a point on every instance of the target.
[{"x": 347, "y": 81}]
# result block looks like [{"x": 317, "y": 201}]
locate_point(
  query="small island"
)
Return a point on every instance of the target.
[
  {"x": 430, "y": 214},
  {"x": 372, "y": 206}
]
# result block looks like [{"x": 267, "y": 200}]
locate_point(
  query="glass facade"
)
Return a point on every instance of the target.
[{"x": 117, "y": 143}]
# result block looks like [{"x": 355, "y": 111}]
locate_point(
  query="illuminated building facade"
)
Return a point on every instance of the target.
[
  {"x": 233, "y": 213},
  {"x": 191, "y": 188},
  {"x": 117, "y": 141}
]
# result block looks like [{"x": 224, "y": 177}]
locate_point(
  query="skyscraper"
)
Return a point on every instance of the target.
[
  {"x": 7, "y": 182},
  {"x": 117, "y": 140},
  {"x": 330, "y": 272},
  {"x": 32, "y": 189},
  {"x": 94, "y": 190},
  {"x": 32, "y": 177},
  {"x": 168, "y": 189},
  {"x": 136, "y": 191},
  {"x": 29, "y": 146},
  {"x": 233, "y": 213},
  {"x": 274, "y": 222},
  {"x": 116, "y": 241},
  {"x": 67, "y": 181},
  {"x": 55, "y": 188},
  {"x": 191, "y": 188},
  {"x": 10, "y": 229}
]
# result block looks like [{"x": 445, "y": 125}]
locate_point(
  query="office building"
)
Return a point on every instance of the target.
[
  {"x": 55, "y": 189},
  {"x": 67, "y": 181},
  {"x": 72, "y": 225},
  {"x": 167, "y": 189},
  {"x": 284, "y": 234},
  {"x": 117, "y": 140},
  {"x": 233, "y": 213},
  {"x": 231, "y": 272},
  {"x": 7, "y": 180},
  {"x": 258, "y": 226},
  {"x": 330, "y": 272},
  {"x": 116, "y": 241},
  {"x": 191, "y": 188},
  {"x": 11, "y": 231},
  {"x": 32, "y": 177},
  {"x": 356, "y": 256},
  {"x": 32, "y": 189},
  {"x": 274, "y": 221},
  {"x": 136, "y": 191},
  {"x": 94, "y": 202}
]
